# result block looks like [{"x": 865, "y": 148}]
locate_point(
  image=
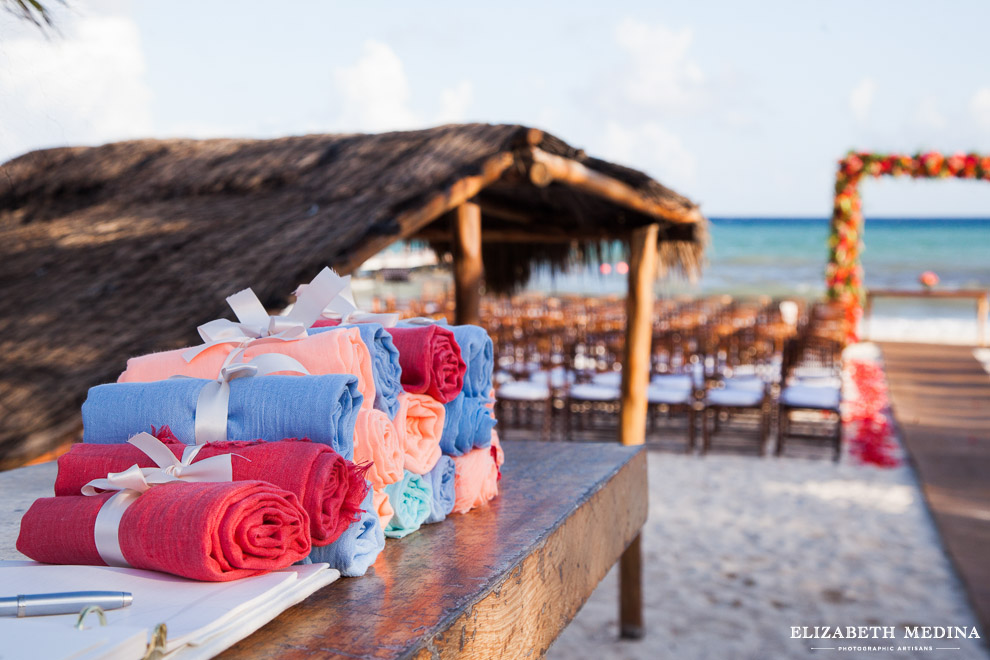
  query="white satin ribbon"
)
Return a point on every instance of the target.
[
  {"x": 214, "y": 399},
  {"x": 344, "y": 309},
  {"x": 136, "y": 480},
  {"x": 254, "y": 323}
]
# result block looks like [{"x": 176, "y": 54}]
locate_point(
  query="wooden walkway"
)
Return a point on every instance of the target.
[{"x": 941, "y": 400}]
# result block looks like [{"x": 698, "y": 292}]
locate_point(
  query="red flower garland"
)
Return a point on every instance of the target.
[
  {"x": 873, "y": 441},
  {"x": 844, "y": 274}
]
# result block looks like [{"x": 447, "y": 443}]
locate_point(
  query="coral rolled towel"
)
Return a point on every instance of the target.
[
  {"x": 377, "y": 442},
  {"x": 329, "y": 487},
  {"x": 441, "y": 480},
  {"x": 419, "y": 424},
  {"x": 475, "y": 480},
  {"x": 431, "y": 361},
  {"x": 383, "y": 508},
  {"x": 410, "y": 498},
  {"x": 204, "y": 531},
  {"x": 341, "y": 352},
  {"x": 321, "y": 408},
  {"x": 358, "y": 547},
  {"x": 384, "y": 361},
  {"x": 467, "y": 425},
  {"x": 479, "y": 356}
]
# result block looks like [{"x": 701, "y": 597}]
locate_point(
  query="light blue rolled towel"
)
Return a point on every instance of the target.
[
  {"x": 467, "y": 425},
  {"x": 410, "y": 498},
  {"x": 479, "y": 355},
  {"x": 384, "y": 364},
  {"x": 358, "y": 547},
  {"x": 441, "y": 480},
  {"x": 321, "y": 408}
]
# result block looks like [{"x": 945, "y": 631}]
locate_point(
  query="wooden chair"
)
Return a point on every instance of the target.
[{"x": 811, "y": 397}]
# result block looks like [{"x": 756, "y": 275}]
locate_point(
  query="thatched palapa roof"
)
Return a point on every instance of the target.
[{"x": 123, "y": 249}]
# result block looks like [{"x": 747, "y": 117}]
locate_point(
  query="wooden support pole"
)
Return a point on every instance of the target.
[
  {"x": 467, "y": 263},
  {"x": 632, "y": 429}
]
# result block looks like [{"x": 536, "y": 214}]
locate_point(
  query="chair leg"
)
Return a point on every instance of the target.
[
  {"x": 838, "y": 437},
  {"x": 764, "y": 428},
  {"x": 706, "y": 436},
  {"x": 781, "y": 429},
  {"x": 692, "y": 432}
]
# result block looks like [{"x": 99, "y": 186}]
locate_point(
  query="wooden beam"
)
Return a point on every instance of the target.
[
  {"x": 578, "y": 176},
  {"x": 515, "y": 236},
  {"x": 635, "y": 380},
  {"x": 414, "y": 219},
  {"x": 468, "y": 269}
]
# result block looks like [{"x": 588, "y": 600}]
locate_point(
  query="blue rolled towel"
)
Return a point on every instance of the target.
[
  {"x": 410, "y": 498},
  {"x": 479, "y": 355},
  {"x": 467, "y": 425},
  {"x": 441, "y": 480},
  {"x": 358, "y": 547},
  {"x": 384, "y": 364},
  {"x": 321, "y": 408}
]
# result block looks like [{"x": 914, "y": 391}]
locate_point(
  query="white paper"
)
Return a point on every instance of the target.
[{"x": 203, "y": 618}]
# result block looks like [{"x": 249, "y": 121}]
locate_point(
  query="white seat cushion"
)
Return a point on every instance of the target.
[
  {"x": 816, "y": 381},
  {"x": 556, "y": 377},
  {"x": 523, "y": 390},
  {"x": 672, "y": 381},
  {"x": 608, "y": 378},
  {"x": 734, "y": 397},
  {"x": 804, "y": 396},
  {"x": 669, "y": 395},
  {"x": 751, "y": 383},
  {"x": 594, "y": 392}
]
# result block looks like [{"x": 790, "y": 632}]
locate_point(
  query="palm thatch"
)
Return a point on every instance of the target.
[{"x": 122, "y": 249}]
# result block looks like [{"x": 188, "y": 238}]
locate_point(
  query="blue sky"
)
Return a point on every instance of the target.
[{"x": 742, "y": 106}]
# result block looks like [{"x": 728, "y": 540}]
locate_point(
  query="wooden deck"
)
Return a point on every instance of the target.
[{"x": 941, "y": 400}]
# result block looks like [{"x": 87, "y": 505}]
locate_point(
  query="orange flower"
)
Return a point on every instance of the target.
[{"x": 928, "y": 279}]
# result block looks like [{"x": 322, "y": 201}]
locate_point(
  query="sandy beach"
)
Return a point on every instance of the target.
[{"x": 738, "y": 549}]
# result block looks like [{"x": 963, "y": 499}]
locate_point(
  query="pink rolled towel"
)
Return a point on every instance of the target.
[
  {"x": 419, "y": 423},
  {"x": 476, "y": 478},
  {"x": 341, "y": 352},
  {"x": 382, "y": 506},
  {"x": 377, "y": 442}
]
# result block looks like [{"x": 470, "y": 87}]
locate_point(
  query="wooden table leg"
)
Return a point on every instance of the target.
[
  {"x": 982, "y": 305},
  {"x": 631, "y": 591}
]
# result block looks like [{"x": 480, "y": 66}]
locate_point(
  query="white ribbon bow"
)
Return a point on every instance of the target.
[
  {"x": 254, "y": 323},
  {"x": 344, "y": 309},
  {"x": 136, "y": 480},
  {"x": 214, "y": 399}
]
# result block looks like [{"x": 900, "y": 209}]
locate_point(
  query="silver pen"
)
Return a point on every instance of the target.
[{"x": 69, "y": 602}]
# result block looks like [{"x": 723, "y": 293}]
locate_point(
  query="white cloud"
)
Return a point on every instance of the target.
[
  {"x": 979, "y": 108},
  {"x": 928, "y": 115},
  {"x": 375, "y": 91},
  {"x": 375, "y": 94},
  {"x": 652, "y": 148},
  {"x": 861, "y": 99},
  {"x": 659, "y": 74},
  {"x": 86, "y": 85},
  {"x": 455, "y": 101}
]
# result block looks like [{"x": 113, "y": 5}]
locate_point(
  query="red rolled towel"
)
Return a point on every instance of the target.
[
  {"x": 211, "y": 531},
  {"x": 329, "y": 487},
  {"x": 431, "y": 361}
]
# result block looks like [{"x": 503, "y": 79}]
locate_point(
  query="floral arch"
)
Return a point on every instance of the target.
[{"x": 844, "y": 273}]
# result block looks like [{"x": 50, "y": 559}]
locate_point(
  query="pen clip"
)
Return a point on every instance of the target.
[{"x": 86, "y": 610}]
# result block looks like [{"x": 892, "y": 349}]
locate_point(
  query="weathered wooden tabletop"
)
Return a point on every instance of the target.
[{"x": 500, "y": 581}]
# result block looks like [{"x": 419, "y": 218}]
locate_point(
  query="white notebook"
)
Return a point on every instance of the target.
[{"x": 203, "y": 618}]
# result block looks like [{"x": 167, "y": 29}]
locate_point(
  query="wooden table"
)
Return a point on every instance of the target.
[
  {"x": 981, "y": 296},
  {"x": 501, "y": 581}
]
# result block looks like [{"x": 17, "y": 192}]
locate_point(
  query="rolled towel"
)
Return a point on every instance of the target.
[
  {"x": 431, "y": 361},
  {"x": 479, "y": 356},
  {"x": 377, "y": 442},
  {"x": 341, "y": 352},
  {"x": 203, "y": 531},
  {"x": 358, "y": 547},
  {"x": 329, "y": 487},
  {"x": 382, "y": 505},
  {"x": 419, "y": 424},
  {"x": 476, "y": 479},
  {"x": 410, "y": 498},
  {"x": 321, "y": 408},
  {"x": 441, "y": 480},
  {"x": 467, "y": 425},
  {"x": 385, "y": 366}
]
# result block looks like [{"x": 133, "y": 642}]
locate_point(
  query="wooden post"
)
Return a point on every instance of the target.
[
  {"x": 467, "y": 263},
  {"x": 632, "y": 429}
]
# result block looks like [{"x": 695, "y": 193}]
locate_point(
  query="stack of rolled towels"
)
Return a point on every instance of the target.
[{"x": 374, "y": 432}]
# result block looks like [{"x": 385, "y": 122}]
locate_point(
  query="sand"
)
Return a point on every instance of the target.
[{"x": 739, "y": 549}]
